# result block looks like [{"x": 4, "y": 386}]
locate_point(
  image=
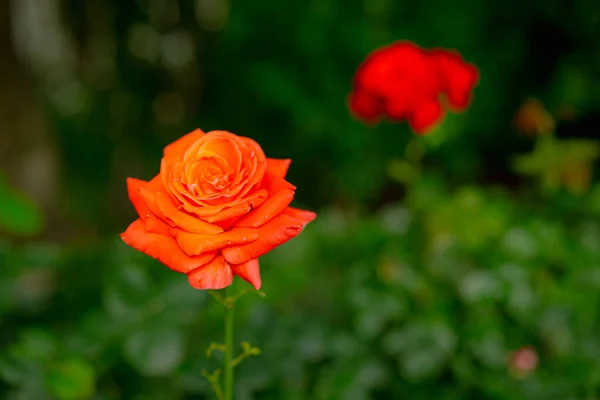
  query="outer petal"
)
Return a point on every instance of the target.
[
  {"x": 215, "y": 275},
  {"x": 163, "y": 248},
  {"x": 133, "y": 190},
  {"x": 179, "y": 147},
  {"x": 304, "y": 216},
  {"x": 459, "y": 77},
  {"x": 398, "y": 108},
  {"x": 151, "y": 221},
  {"x": 274, "y": 184},
  {"x": 197, "y": 243},
  {"x": 148, "y": 195},
  {"x": 461, "y": 87},
  {"x": 278, "y": 167},
  {"x": 281, "y": 229},
  {"x": 268, "y": 210},
  {"x": 155, "y": 225},
  {"x": 425, "y": 116},
  {"x": 182, "y": 219},
  {"x": 364, "y": 105},
  {"x": 249, "y": 271}
]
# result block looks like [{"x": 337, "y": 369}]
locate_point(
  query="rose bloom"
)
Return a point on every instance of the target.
[
  {"x": 402, "y": 81},
  {"x": 216, "y": 206}
]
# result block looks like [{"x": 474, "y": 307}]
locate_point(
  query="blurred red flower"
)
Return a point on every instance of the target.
[
  {"x": 402, "y": 81},
  {"x": 523, "y": 361}
]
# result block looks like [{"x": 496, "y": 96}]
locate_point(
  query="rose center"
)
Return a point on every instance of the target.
[{"x": 207, "y": 177}]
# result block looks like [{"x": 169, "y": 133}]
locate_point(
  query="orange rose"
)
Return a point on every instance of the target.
[{"x": 217, "y": 205}]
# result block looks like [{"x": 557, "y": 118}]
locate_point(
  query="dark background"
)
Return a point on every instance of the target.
[{"x": 432, "y": 260}]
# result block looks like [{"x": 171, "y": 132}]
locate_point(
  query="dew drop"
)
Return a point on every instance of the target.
[
  {"x": 244, "y": 239},
  {"x": 229, "y": 242},
  {"x": 267, "y": 216},
  {"x": 147, "y": 215}
]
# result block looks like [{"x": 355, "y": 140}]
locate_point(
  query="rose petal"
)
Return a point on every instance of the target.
[
  {"x": 255, "y": 178},
  {"x": 215, "y": 275},
  {"x": 133, "y": 190},
  {"x": 278, "y": 167},
  {"x": 276, "y": 184},
  {"x": 461, "y": 87},
  {"x": 151, "y": 222},
  {"x": 147, "y": 194},
  {"x": 258, "y": 151},
  {"x": 364, "y": 105},
  {"x": 195, "y": 244},
  {"x": 180, "y": 146},
  {"x": 268, "y": 210},
  {"x": 425, "y": 116},
  {"x": 240, "y": 209},
  {"x": 155, "y": 225},
  {"x": 229, "y": 223},
  {"x": 304, "y": 216},
  {"x": 398, "y": 108},
  {"x": 223, "y": 212},
  {"x": 163, "y": 248},
  {"x": 221, "y": 146},
  {"x": 458, "y": 76},
  {"x": 183, "y": 220},
  {"x": 249, "y": 271},
  {"x": 281, "y": 229}
]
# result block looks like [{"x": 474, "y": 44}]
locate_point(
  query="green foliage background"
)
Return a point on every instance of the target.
[{"x": 431, "y": 261}]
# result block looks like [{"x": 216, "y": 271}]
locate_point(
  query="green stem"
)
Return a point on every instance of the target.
[{"x": 228, "y": 367}]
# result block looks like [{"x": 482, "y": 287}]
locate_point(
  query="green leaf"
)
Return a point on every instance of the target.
[
  {"x": 553, "y": 155},
  {"x": 71, "y": 379},
  {"x": 156, "y": 351},
  {"x": 423, "y": 348},
  {"x": 128, "y": 292},
  {"x": 35, "y": 345},
  {"x": 402, "y": 171},
  {"x": 18, "y": 214}
]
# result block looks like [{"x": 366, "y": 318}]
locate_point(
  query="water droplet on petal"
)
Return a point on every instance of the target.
[
  {"x": 147, "y": 215},
  {"x": 267, "y": 216},
  {"x": 229, "y": 242},
  {"x": 244, "y": 239}
]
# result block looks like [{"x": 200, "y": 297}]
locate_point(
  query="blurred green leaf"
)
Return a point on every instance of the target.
[
  {"x": 71, "y": 379},
  {"x": 156, "y": 350},
  {"x": 36, "y": 345},
  {"x": 402, "y": 171},
  {"x": 422, "y": 347},
  {"x": 128, "y": 292},
  {"x": 18, "y": 214}
]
